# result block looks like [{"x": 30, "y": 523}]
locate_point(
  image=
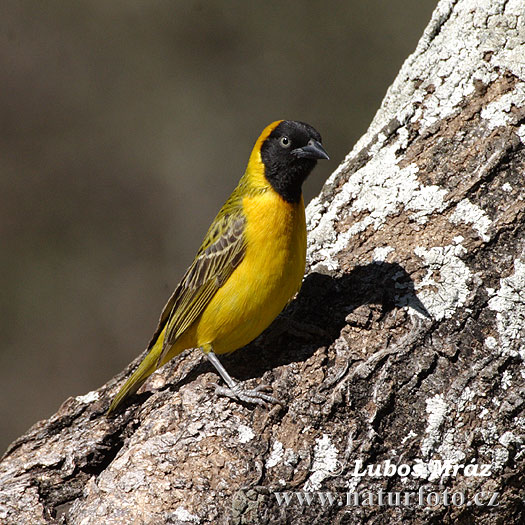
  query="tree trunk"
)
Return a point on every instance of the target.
[{"x": 403, "y": 352}]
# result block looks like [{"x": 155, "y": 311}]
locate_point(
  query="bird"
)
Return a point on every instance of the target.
[{"x": 249, "y": 267}]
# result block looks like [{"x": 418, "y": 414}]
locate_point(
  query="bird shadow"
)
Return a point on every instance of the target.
[{"x": 316, "y": 317}]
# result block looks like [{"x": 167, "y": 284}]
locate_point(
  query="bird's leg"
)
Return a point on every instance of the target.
[{"x": 234, "y": 389}]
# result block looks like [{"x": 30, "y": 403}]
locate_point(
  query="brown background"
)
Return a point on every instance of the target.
[{"x": 124, "y": 126}]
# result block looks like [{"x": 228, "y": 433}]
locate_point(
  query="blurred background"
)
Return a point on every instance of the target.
[{"x": 124, "y": 127}]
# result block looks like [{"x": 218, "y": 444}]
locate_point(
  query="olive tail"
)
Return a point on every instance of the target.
[{"x": 137, "y": 379}]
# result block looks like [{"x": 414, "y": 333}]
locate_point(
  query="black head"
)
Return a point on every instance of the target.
[{"x": 289, "y": 154}]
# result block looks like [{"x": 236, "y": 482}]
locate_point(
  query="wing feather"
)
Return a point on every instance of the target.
[{"x": 221, "y": 252}]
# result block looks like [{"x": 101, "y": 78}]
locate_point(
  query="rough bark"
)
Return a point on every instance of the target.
[{"x": 405, "y": 344}]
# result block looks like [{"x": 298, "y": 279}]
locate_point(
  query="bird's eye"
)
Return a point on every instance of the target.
[{"x": 285, "y": 142}]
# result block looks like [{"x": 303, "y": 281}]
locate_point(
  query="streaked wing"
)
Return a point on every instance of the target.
[{"x": 221, "y": 252}]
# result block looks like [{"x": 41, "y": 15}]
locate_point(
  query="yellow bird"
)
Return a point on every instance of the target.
[{"x": 250, "y": 265}]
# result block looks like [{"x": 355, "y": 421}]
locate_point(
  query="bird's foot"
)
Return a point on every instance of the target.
[{"x": 256, "y": 396}]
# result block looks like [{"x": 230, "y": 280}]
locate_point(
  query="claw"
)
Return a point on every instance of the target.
[
  {"x": 254, "y": 396},
  {"x": 263, "y": 388}
]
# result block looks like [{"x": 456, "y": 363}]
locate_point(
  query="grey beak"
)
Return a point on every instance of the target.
[{"x": 313, "y": 150}]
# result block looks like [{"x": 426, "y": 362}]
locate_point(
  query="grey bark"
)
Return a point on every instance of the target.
[{"x": 406, "y": 343}]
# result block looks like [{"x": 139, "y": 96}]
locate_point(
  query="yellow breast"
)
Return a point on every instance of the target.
[{"x": 268, "y": 277}]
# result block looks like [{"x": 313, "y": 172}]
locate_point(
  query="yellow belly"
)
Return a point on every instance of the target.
[{"x": 260, "y": 287}]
